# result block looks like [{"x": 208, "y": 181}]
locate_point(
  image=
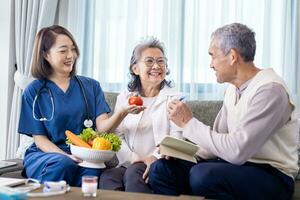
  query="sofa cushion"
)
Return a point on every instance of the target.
[
  {"x": 205, "y": 111},
  {"x": 111, "y": 98}
]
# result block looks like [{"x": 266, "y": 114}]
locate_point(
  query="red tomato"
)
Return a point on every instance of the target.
[
  {"x": 90, "y": 142},
  {"x": 135, "y": 100}
]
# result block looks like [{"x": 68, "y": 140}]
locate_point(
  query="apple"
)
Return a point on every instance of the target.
[{"x": 135, "y": 100}]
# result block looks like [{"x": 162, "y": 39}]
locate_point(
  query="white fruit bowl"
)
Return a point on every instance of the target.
[{"x": 92, "y": 158}]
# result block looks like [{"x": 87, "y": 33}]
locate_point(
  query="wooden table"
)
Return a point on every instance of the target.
[{"x": 75, "y": 193}]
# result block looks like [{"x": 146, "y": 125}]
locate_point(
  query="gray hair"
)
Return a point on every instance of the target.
[
  {"x": 148, "y": 42},
  {"x": 236, "y": 36}
]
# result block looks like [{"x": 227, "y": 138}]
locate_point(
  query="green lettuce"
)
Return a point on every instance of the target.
[
  {"x": 114, "y": 140},
  {"x": 90, "y": 134}
]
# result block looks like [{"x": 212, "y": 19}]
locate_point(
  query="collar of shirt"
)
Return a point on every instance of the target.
[{"x": 241, "y": 89}]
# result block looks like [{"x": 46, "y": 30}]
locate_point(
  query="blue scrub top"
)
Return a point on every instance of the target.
[{"x": 69, "y": 109}]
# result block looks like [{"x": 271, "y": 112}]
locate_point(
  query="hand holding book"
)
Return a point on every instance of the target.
[{"x": 178, "y": 148}]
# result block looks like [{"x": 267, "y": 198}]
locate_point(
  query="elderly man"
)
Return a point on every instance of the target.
[{"x": 251, "y": 152}]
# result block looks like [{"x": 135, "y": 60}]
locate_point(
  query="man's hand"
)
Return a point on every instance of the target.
[
  {"x": 163, "y": 156},
  {"x": 166, "y": 157},
  {"x": 179, "y": 113}
]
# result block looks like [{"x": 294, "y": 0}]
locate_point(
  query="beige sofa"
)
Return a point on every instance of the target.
[{"x": 205, "y": 111}]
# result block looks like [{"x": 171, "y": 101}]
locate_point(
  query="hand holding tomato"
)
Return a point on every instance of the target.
[
  {"x": 135, "y": 105},
  {"x": 132, "y": 109},
  {"x": 135, "y": 100}
]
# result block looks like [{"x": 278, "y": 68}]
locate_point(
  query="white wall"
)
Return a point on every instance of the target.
[{"x": 7, "y": 70}]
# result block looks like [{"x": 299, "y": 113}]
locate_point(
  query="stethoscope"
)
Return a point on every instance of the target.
[{"x": 88, "y": 123}]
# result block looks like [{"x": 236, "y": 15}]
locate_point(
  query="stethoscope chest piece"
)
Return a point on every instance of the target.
[{"x": 88, "y": 123}]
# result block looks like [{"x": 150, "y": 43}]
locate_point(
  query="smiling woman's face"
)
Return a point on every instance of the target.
[
  {"x": 151, "y": 75},
  {"x": 62, "y": 55}
]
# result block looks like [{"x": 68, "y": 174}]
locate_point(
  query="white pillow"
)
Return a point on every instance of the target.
[{"x": 25, "y": 142}]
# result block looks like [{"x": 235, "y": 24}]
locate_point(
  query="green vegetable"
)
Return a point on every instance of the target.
[
  {"x": 114, "y": 140},
  {"x": 89, "y": 134},
  {"x": 68, "y": 141}
]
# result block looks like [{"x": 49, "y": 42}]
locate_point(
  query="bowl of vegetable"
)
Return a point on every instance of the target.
[{"x": 92, "y": 147}]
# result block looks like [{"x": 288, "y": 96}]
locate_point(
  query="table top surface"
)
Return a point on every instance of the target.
[{"x": 75, "y": 193}]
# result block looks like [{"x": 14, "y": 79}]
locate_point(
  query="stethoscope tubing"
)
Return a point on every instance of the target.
[
  {"x": 42, "y": 119},
  {"x": 87, "y": 122}
]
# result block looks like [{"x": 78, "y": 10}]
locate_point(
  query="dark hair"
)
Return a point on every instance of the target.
[
  {"x": 236, "y": 36},
  {"x": 44, "y": 40},
  {"x": 135, "y": 82}
]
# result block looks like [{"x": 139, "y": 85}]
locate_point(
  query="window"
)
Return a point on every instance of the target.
[{"x": 185, "y": 27}]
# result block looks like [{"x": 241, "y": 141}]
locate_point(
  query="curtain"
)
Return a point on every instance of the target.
[
  {"x": 272, "y": 21},
  {"x": 296, "y": 52},
  {"x": 80, "y": 22},
  {"x": 118, "y": 26},
  {"x": 30, "y": 16},
  {"x": 185, "y": 27}
]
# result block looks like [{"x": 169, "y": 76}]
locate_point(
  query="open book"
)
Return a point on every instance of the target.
[{"x": 178, "y": 148}]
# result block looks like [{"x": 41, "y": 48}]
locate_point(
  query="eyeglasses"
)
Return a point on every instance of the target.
[{"x": 161, "y": 61}]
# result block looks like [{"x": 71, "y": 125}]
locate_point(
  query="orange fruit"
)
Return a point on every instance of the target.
[{"x": 100, "y": 143}]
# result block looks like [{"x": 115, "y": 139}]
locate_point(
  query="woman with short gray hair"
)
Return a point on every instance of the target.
[
  {"x": 143, "y": 131},
  {"x": 135, "y": 82}
]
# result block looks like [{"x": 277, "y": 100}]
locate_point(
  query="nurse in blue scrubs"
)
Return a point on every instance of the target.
[{"x": 59, "y": 100}]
